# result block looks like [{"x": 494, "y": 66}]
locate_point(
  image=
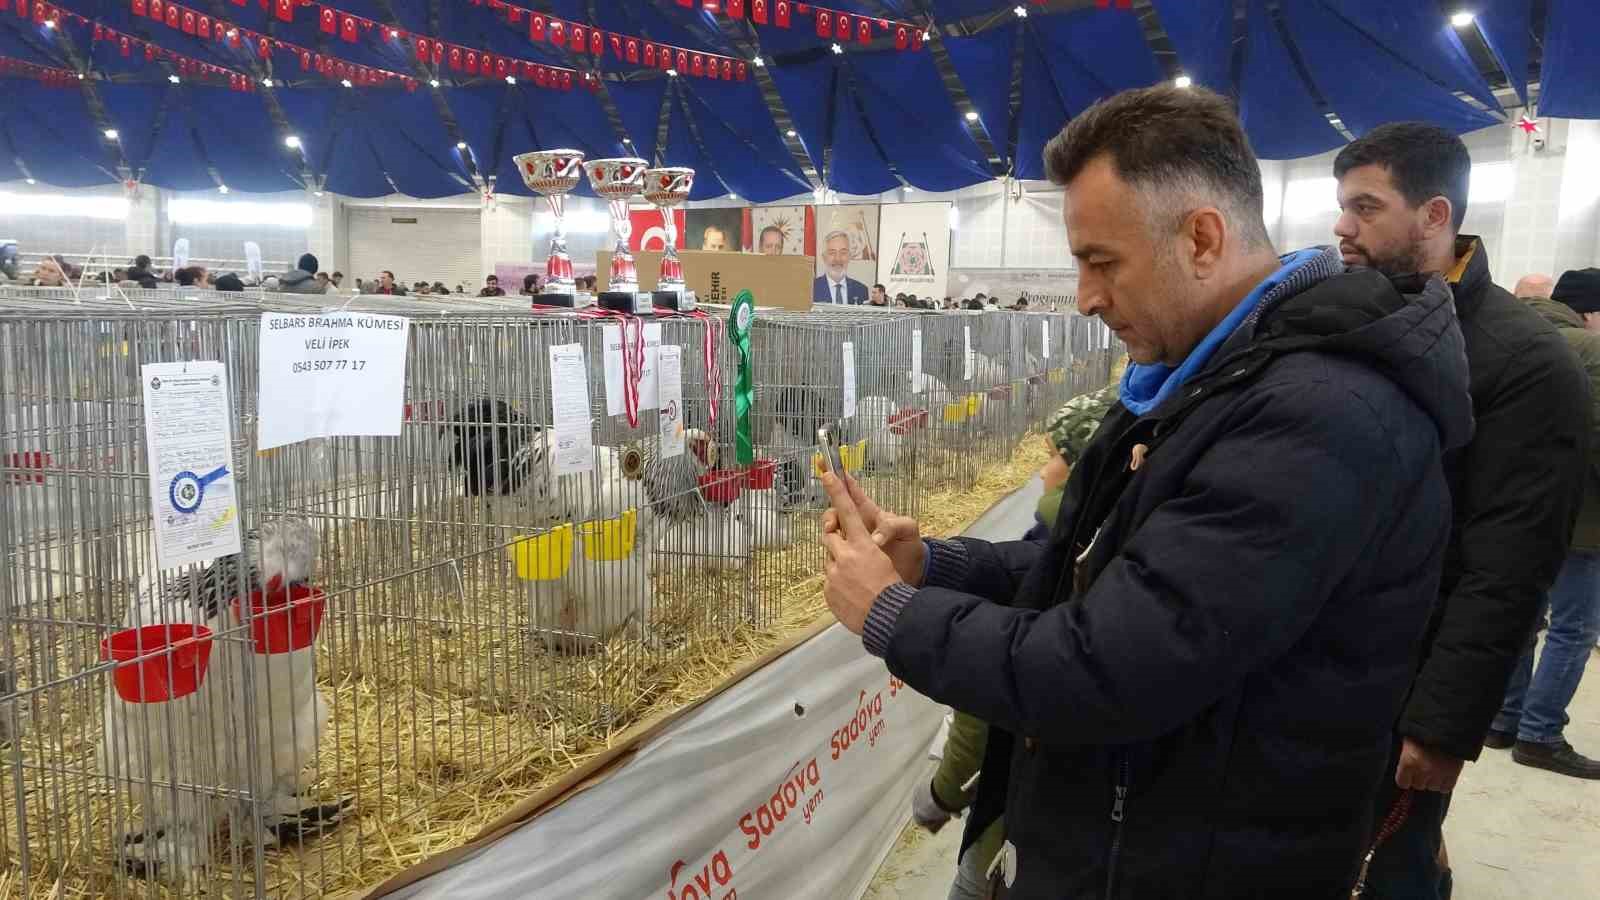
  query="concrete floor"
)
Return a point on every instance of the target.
[{"x": 1513, "y": 833}]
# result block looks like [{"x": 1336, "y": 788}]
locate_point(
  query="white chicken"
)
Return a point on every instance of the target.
[
  {"x": 250, "y": 729},
  {"x": 764, "y": 511},
  {"x": 716, "y": 541}
]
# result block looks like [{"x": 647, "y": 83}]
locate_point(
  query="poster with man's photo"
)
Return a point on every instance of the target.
[
  {"x": 916, "y": 248},
  {"x": 847, "y": 253},
  {"x": 715, "y": 230},
  {"x": 781, "y": 231}
]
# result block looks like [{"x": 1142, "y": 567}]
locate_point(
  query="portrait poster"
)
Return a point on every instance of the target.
[
  {"x": 781, "y": 231},
  {"x": 847, "y": 250},
  {"x": 915, "y": 255},
  {"x": 715, "y": 230}
]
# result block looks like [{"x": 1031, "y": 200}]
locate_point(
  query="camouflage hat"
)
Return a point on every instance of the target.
[{"x": 1071, "y": 427}]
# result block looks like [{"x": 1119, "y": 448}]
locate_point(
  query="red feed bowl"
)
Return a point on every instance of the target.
[
  {"x": 158, "y": 663},
  {"x": 721, "y": 485},
  {"x": 906, "y": 419},
  {"x": 763, "y": 474},
  {"x": 283, "y": 625}
]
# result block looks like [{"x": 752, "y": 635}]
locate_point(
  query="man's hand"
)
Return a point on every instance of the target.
[
  {"x": 857, "y": 569},
  {"x": 1424, "y": 769},
  {"x": 925, "y": 808},
  {"x": 897, "y": 536}
]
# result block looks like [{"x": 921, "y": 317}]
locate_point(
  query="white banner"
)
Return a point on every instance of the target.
[
  {"x": 915, "y": 243},
  {"x": 793, "y": 783}
]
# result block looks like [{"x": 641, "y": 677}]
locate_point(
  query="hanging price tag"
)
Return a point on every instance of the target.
[
  {"x": 849, "y": 380},
  {"x": 1046, "y": 337},
  {"x": 572, "y": 441},
  {"x": 916, "y": 360},
  {"x": 669, "y": 362}
]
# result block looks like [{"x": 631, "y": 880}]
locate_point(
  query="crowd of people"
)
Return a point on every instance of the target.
[{"x": 1289, "y": 570}]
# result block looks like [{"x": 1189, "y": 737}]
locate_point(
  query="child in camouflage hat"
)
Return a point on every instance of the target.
[{"x": 954, "y": 785}]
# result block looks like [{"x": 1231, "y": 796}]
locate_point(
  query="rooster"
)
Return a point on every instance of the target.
[{"x": 253, "y": 735}]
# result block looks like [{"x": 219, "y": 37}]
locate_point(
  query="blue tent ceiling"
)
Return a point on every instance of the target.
[{"x": 865, "y": 120}]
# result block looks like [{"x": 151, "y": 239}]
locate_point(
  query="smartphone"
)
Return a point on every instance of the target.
[{"x": 828, "y": 443}]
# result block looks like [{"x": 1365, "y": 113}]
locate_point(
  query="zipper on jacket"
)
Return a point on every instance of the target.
[{"x": 1118, "y": 808}]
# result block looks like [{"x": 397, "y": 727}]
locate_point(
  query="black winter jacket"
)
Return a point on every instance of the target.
[
  {"x": 1516, "y": 488},
  {"x": 1202, "y": 705}
]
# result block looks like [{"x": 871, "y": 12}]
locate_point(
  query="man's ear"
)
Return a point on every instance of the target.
[
  {"x": 1438, "y": 217},
  {"x": 1202, "y": 237}
]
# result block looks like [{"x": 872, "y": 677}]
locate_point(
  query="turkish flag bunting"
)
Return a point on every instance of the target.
[
  {"x": 347, "y": 29},
  {"x": 536, "y": 28},
  {"x": 515, "y": 15},
  {"x": 6, "y": 4},
  {"x": 902, "y": 37},
  {"x": 139, "y": 9},
  {"x": 685, "y": 3},
  {"x": 780, "y": 12},
  {"x": 710, "y": 6},
  {"x": 740, "y": 70},
  {"x": 558, "y": 32},
  {"x": 455, "y": 58},
  {"x": 566, "y": 81},
  {"x": 697, "y": 65},
  {"x": 616, "y": 46},
  {"x": 633, "y": 51},
  {"x": 203, "y": 27},
  {"x": 664, "y": 57},
  {"x": 597, "y": 43},
  {"x": 683, "y": 61},
  {"x": 172, "y": 15},
  {"x": 727, "y": 70},
  {"x": 845, "y": 31},
  {"x": 233, "y": 37},
  {"x": 264, "y": 47},
  {"x": 735, "y": 9},
  {"x": 580, "y": 38},
  {"x": 158, "y": 9},
  {"x": 500, "y": 67},
  {"x": 758, "y": 11},
  {"x": 541, "y": 76},
  {"x": 472, "y": 62},
  {"x": 438, "y": 52},
  {"x": 916, "y": 38},
  {"x": 422, "y": 49},
  {"x": 149, "y": 52},
  {"x": 125, "y": 46},
  {"x": 649, "y": 55},
  {"x": 864, "y": 31},
  {"x": 188, "y": 22},
  {"x": 824, "y": 24},
  {"x": 285, "y": 10},
  {"x": 305, "y": 60},
  {"x": 329, "y": 21}
]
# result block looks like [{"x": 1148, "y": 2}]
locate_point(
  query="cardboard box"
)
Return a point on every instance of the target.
[{"x": 779, "y": 281}]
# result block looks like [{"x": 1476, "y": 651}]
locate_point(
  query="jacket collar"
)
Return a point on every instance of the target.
[{"x": 1470, "y": 275}]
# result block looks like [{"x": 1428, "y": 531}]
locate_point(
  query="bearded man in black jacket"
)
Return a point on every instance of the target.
[
  {"x": 1192, "y": 683},
  {"x": 1515, "y": 488}
]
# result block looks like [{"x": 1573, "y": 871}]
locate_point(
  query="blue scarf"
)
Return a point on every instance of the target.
[{"x": 1146, "y": 386}]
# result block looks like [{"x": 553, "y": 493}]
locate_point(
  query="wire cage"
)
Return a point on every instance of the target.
[{"x": 455, "y": 602}]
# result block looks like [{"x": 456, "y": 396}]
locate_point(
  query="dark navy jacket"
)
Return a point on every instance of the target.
[{"x": 1193, "y": 683}]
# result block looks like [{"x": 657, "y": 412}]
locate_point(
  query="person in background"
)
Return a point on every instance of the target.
[
  {"x": 48, "y": 274},
  {"x": 835, "y": 285},
  {"x": 325, "y": 282},
  {"x": 714, "y": 239},
  {"x": 953, "y": 787},
  {"x": 1191, "y": 687},
  {"x": 387, "y": 285},
  {"x": 192, "y": 276},
  {"x": 337, "y": 279},
  {"x": 421, "y": 288},
  {"x": 1533, "y": 716},
  {"x": 229, "y": 282},
  {"x": 1022, "y": 304},
  {"x": 302, "y": 278},
  {"x": 771, "y": 241},
  {"x": 439, "y": 288},
  {"x": 531, "y": 286},
  {"x": 879, "y": 296},
  {"x": 491, "y": 287},
  {"x": 141, "y": 272},
  {"x": 1514, "y": 489}
]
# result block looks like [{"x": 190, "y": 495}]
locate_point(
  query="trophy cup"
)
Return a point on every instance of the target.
[
  {"x": 618, "y": 181},
  {"x": 666, "y": 189},
  {"x": 554, "y": 173}
]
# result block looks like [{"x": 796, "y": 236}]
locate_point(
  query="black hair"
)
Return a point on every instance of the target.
[
  {"x": 141, "y": 262},
  {"x": 307, "y": 264},
  {"x": 1424, "y": 161}
]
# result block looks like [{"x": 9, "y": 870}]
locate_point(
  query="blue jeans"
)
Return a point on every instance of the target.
[
  {"x": 970, "y": 883},
  {"x": 1535, "y": 708}
]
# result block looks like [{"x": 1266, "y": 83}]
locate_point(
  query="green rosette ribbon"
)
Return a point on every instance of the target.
[{"x": 740, "y": 319}]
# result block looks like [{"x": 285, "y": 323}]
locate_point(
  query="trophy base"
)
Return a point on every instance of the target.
[
  {"x": 632, "y": 302},
  {"x": 566, "y": 300},
  {"x": 676, "y": 299}
]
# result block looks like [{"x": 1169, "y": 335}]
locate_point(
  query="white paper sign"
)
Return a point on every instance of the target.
[
  {"x": 572, "y": 441},
  {"x": 649, "y": 390},
  {"x": 849, "y": 380},
  {"x": 189, "y": 441},
  {"x": 916, "y": 360},
  {"x": 1046, "y": 339},
  {"x": 331, "y": 373},
  {"x": 970, "y": 362},
  {"x": 670, "y": 365}
]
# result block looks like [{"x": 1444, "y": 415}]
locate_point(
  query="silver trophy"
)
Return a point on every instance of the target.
[
  {"x": 554, "y": 174},
  {"x": 618, "y": 181},
  {"x": 666, "y": 189}
]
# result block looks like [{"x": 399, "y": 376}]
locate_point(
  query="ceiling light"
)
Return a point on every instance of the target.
[
  {"x": 511, "y": 79},
  {"x": 174, "y": 79},
  {"x": 461, "y": 145},
  {"x": 222, "y": 189},
  {"x": 232, "y": 33},
  {"x": 393, "y": 33},
  {"x": 1182, "y": 81},
  {"x": 111, "y": 134},
  {"x": 672, "y": 73},
  {"x": 758, "y": 62},
  {"x": 972, "y": 115},
  {"x": 80, "y": 76},
  {"x": 30, "y": 181},
  {"x": 433, "y": 82},
  {"x": 1021, "y": 11},
  {"x": 316, "y": 193},
  {"x": 266, "y": 82},
  {"x": 910, "y": 189},
  {"x": 627, "y": 140},
  {"x": 346, "y": 82},
  {"x": 732, "y": 196},
  {"x": 927, "y": 35},
  {"x": 292, "y": 142},
  {"x": 1461, "y": 19},
  {"x": 790, "y": 132},
  {"x": 837, "y": 49},
  {"x": 49, "y": 23}
]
